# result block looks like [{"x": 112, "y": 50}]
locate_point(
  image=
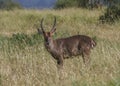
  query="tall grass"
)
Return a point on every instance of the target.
[{"x": 25, "y": 62}]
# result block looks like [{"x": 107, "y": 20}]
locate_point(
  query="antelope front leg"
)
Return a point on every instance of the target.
[
  {"x": 86, "y": 58},
  {"x": 60, "y": 68},
  {"x": 60, "y": 63}
]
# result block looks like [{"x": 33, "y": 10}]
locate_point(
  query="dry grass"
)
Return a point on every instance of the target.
[{"x": 33, "y": 66}]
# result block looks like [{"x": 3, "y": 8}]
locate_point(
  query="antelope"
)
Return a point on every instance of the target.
[{"x": 64, "y": 48}]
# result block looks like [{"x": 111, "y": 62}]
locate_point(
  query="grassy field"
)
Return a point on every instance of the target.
[{"x": 25, "y": 62}]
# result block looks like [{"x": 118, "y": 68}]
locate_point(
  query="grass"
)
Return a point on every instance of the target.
[{"x": 25, "y": 62}]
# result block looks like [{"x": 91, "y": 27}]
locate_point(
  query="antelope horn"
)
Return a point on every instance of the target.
[{"x": 54, "y": 24}]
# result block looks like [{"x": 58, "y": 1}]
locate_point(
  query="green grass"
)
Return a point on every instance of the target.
[{"x": 25, "y": 62}]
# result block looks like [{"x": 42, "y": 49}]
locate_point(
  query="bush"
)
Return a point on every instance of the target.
[
  {"x": 70, "y": 3},
  {"x": 9, "y": 5},
  {"x": 76, "y": 3},
  {"x": 82, "y": 3},
  {"x": 111, "y": 15},
  {"x": 21, "y": 40},
  {"x": 65, "y": 3}
]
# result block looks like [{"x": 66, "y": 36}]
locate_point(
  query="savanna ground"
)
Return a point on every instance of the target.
[{"x": 25, "y": 62}]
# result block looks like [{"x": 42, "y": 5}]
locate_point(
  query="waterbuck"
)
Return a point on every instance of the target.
[{"x": 64, "y": 48}]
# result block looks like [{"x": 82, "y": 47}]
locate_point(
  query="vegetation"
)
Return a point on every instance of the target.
[
  {"x": 70, "y": 3},
  {"x": 9, "y": 5},
  {"x": 111, "y": 14},
  {"x": 25, "y": 62}
]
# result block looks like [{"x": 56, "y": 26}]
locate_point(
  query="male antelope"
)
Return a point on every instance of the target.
[{"x": 63, "y": 48}]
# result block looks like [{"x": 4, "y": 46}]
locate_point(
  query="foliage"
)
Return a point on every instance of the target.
[
  {"x": 65, "y": 3},
  {"x": 22, "y": 40},
  {"x": 70, "y": 3},
  {"x": 82, "y": 3},
  {"x": 111, "y": 15},
  {"x": 9, "y": 5}
]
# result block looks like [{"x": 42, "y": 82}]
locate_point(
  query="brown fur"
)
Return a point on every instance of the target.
[{"x": 64, "y": 48}]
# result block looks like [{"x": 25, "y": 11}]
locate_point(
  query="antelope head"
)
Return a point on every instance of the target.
[{"x": 47, "y": 35}]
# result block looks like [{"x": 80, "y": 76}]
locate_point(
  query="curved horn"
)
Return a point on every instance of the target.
[
  {"x": 42, "y": 25},
  {"x": 40, "y": 31},
  {"x": 53, "y": 28}
]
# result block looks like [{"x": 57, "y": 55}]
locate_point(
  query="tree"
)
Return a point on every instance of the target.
[
  {"x": 78, "y": 3},
  {"x": 8, "y": 5},
  {"x": 66, "y": 3},
  {"x": 112, "y": 12}
]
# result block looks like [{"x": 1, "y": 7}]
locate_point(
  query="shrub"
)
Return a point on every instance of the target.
[
  {"x": 76, "y": 3},
  {"x": 22, "y": 40},
  {"x": 111, "y": 14},
  {"x": 65, "y": 3},
  {"x": 9, "y": 5},
  {"x": 70, "y": 3}
]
